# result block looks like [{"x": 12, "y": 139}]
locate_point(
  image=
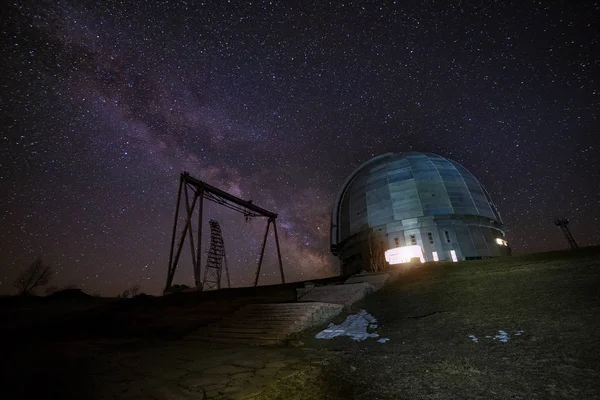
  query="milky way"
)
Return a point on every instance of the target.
[{"x": 104, "y": 104}]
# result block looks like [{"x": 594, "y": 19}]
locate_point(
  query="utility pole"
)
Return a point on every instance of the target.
[{"x": 562, "y": 223}]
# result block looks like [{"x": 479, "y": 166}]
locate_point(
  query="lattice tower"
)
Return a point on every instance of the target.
[{"x": 215, "y": 260}]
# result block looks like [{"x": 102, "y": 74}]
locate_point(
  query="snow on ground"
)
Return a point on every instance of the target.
[
  {"x": 501, "y": 336},
  {"x": 354, "y": 326}
]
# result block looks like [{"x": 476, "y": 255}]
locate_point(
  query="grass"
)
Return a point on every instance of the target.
[{"x": 429, "y": 311}]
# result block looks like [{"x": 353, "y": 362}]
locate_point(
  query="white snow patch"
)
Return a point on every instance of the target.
[
  {"x": 502, "y": 336},
  {"x": 383, "y": 340},
  {"x": 354, "y": 326}
]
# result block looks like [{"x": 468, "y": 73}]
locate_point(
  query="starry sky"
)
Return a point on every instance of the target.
[{"x": 104, "y": 104}]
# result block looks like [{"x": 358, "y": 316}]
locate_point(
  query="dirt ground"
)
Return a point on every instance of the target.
[{"x": 548, "y": 304}]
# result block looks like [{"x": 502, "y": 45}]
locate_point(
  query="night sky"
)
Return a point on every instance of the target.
[{"x": 104, "y": 104}]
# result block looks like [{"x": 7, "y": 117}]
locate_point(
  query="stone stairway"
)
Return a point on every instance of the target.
[{"x": 266, "y": 324}]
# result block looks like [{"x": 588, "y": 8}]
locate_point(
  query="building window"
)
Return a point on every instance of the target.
[
  {"x": 447, "y": 236},
  {"x": 435, "y": 256},
  {"x": 397, "y": 242},
  {"x": 413, "y": 240},
  {"x": 453, "y": 255},
  {"x": 430, "y": 237}
]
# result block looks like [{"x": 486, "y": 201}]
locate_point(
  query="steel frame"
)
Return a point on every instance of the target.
[{"x": 202, "y": 190}]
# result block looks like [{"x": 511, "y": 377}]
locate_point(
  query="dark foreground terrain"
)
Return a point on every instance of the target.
[
  {"x": 548, "y": 304},
  {"x": 429, "y": 313}
]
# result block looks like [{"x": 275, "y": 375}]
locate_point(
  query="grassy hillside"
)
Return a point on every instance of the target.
[{"x": 429, "y": 312}]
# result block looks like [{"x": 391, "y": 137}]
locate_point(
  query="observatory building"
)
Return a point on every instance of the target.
[{"x": 413, "y": 205}]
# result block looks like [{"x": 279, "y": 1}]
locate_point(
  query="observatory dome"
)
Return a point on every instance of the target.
[{"x": 414, "y": 199}]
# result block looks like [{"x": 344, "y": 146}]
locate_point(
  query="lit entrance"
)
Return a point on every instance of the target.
[{"x": 404, "y": 254}]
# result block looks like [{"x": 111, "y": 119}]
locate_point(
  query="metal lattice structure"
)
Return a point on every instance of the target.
[
  {"x": 216, "y": 258},
  {"x": 562, "y": 223},
  {"x": 189, "y": 186}
]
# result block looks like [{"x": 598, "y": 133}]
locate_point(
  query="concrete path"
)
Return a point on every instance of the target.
[{"x": 162, "y": 370}]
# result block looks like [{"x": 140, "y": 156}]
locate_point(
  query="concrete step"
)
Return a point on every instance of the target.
[
  {"x": 248, "y": 338},
  {"x": 277, "y": 325},
  {"x": 266, "y": 318},
  {"x": 274, "y": 312},
  {"x": 196, "y": 317},
  {"x": 243, "y": 335},
  {"x": 283, "y": 306},
  {"x": 266, "y": 323},
  {"x": 254, "y": 330},
  {"x": 274, "y": 324},
  {"x": 269, "y": 314},
  {"x": 300, "y": 306},
  {"x": 253, "y": 325},
  {"x": 250, "y": 341},
  {"x": 254, "y": 320}
]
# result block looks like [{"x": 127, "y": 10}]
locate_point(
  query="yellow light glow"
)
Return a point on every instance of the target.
[{"x": 404, "y": 254}]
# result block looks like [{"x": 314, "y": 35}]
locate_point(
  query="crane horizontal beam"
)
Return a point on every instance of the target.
[{"x": 209, "y": 189}]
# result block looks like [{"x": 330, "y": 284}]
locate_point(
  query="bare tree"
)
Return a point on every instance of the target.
[
  {"x": 36, "y": 275},
  {"x": 134, "y": 290},
  {"x": 129, "y": 292}
]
